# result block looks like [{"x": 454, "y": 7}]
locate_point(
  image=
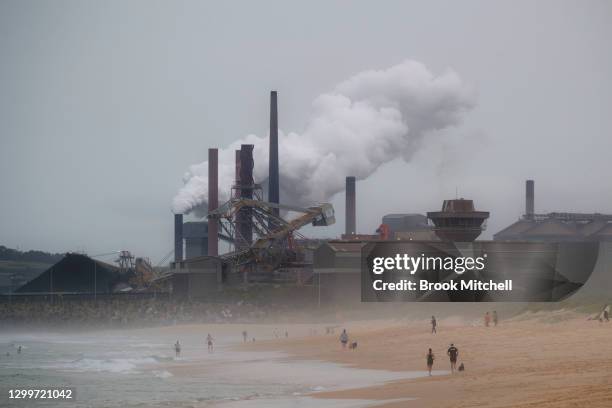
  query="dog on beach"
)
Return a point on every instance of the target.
[
  {"x": 353, "y": 345},
  {"x": 461, "y": 367}
]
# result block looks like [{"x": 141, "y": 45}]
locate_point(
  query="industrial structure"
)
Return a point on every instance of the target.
[
  {"x": 409, "y": 227},
  {"x": 458, "y": 221},
  {"x": 195, "y": 236},
  {"x": 265, "y": 243},
  {"x": 265, "y": 246},
  {"x": 178, "y": 237},
  {"x": 556, "y": 226},
  {"x": 337, "y": 271},
  {"x": 77, "y": 273},
  {"x": 351, "y": 207},
  {"x": 273, "y": 171}
]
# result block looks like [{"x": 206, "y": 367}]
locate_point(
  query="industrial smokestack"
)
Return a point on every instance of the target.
[
  {"x": 213, "y": 201},
  {"x": 237, "y": 176},
  {"x": 392, "y": 112},
  {"x": 273, "y": 175},
  {"x": 178, "y": 237},
  {"x": 351, "y": 210},
  {"x": 247, "y": 184},
  {"x": 529, "y": 198}
]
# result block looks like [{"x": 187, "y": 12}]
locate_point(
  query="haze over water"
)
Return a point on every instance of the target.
[{"x": 137, "y": 368}]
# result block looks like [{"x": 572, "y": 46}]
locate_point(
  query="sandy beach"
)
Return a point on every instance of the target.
[
  {"x": 548, "y": 359},
  {"x": 543, "y": 359}
]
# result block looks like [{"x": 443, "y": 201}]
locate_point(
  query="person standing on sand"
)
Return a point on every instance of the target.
[
  {"x": 434, "y": 323},
  {"x": 344, "y": 338},
  {"x": 495, "y": 318},
  {"x": 177, "y": 349},
  {"x": 453, "y": 353},
  {"x": 606, "y": 313},
  {"x": 430, "y": 360},
  {"x": 487, "y": 319},
  {"x": 209, "y": 340},
  {"x": 244, "y": 336}
]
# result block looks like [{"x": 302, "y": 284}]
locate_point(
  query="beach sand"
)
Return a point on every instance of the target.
[{"x": 549, "y": 359}]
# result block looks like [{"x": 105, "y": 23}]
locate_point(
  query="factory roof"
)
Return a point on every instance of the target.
[
  {"x": 345, "y": 246},
  {"x": 76, "y": 273},
  {"x": 516, "y": 228},
  {"x": 559, "y": 226},
  {"x": 404, "y": 215}
]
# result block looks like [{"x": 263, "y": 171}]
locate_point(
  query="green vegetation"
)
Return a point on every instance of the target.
[
  {"x": 9, "y": 254},
  {"x": 17, "y": 267}
]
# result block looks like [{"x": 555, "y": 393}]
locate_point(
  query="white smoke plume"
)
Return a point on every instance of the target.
[{"x": 372, "y": 118}]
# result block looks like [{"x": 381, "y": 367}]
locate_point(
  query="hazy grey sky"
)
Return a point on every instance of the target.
[{"x": 104, "y": 105}]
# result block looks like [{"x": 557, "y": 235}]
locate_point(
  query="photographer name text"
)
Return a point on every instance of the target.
[{"x": 425, "y": 285}]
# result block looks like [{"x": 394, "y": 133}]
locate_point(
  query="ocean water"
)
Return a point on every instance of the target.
[{"x": 135, "y": 369}]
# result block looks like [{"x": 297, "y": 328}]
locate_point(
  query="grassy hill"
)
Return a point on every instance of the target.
[{"x": 17, "y": 267}]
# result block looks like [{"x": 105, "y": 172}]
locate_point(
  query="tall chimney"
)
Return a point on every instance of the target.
[
  {"x": 213, "y": 201},
  {"x": 351, "y": 210},
  {"x": 178, "y": 237},
  {"x": 529, "y": 199},
  {"x": 237, "y": 182},
  {"x": 246, "y": 191},
  {"x": 273, "y": 176}
]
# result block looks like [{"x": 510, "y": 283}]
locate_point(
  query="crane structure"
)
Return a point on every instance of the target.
[{"x": 274, "y": 247}]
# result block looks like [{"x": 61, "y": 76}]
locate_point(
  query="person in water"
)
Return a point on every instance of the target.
[
  {"x": 430, "y": 361},
  {"x": 209, "y": 340},
  {"x": 344, "y": 338},
  {"x": 177, "y": 349},
  {"x": 434, "y": 324},
  {"x": 453, "y": 353}
]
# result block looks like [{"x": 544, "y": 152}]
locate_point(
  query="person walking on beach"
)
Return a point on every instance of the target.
[
  {"x": 209, "y": 340},
  {"x": 177, "y": 349},
  {"x": 344, "y": 338},
  {"x": 453, "y": 353},
  {"x": 487, "y": 319},
  {"x": 244, "y": 336},
  {"x": 495, "y": 318},
  {"x": 606, "y": 313},
  {"x": 430, "y": 360},
  {"x": 434, "y": 324}
]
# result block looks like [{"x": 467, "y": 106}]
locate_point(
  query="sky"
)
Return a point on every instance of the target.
[{"x": 105, "y": 105}]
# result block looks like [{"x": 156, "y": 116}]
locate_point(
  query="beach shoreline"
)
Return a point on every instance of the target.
[
  {"x": 541, "y": 359},
  {"x": 298, "y": 377},
  {"x": 550, "y": 359}
]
